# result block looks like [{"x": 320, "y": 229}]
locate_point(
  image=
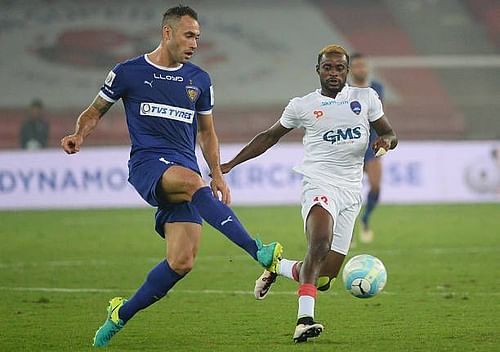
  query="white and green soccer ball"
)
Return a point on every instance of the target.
[{"x": 364, "y": 276}]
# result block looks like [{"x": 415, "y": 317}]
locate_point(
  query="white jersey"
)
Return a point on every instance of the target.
[{"x": 337, "y": 133}]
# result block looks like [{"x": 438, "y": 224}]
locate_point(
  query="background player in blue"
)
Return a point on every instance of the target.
[
  {"x": 360, "y": 77},
  {"x": 168, "y": 102}
]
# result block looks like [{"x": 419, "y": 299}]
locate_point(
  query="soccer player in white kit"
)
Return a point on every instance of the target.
[{"x": 336, "y": 120}]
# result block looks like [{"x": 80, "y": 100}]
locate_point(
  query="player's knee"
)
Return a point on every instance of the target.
[
  {"x": 185, "y": 186},
  {"x": 320, "y": 248},
  {"x": 191, "y": 185},
  {"x": 182, "y": 263}
]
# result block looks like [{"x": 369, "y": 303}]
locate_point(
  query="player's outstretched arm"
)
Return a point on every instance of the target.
[
  {"x": 386, "y": 137},
  {"x": 258, "y": 145},
  {"x": 209, "y": 144},
  {"x": 85, "y": 124}
]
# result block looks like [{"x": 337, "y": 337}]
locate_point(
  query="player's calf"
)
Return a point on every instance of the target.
[
  {"x": 180, "y": 184},
  {"x": 316, "y": 254}
]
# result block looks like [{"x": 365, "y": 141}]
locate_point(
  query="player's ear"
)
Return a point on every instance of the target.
[
  {"x": 317, "y": 68},
  {"x": 166, "y": 32}
]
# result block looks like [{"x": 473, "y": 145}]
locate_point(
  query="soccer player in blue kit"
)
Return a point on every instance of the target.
[
  {"x": 360, "y": 77},
  {"x": 168, "y": 103}
]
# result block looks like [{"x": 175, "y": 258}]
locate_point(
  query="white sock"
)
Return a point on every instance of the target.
[
  {"x": 285, "y": 268},
  {"x": 306, "y": 307}
]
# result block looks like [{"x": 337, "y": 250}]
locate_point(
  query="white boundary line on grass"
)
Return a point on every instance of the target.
[
  {"x": 102, "y": 262},
  {"x": 222, "y": 292},
  {"x": 226, "y": 258}
]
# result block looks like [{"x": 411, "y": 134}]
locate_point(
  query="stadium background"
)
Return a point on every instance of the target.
[{"x": 439, "y": 61}]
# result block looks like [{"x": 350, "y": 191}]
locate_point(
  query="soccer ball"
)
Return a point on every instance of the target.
[{"x": 364, "y": 276}]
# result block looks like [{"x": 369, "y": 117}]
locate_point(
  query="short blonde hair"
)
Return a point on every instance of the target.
[{"x": 333, "y": 49}]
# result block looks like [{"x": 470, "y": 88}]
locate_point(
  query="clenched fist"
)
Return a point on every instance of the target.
[{"x": 71, "y": 144}]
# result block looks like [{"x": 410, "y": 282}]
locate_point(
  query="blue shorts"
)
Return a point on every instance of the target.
[
  {"x": 145, "y": 175},
  {"x": 180, "y": 212},
  {"x": 370, "y": 154}
]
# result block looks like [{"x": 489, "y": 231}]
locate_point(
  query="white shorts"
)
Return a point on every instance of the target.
[{"x": 342, "y": 204}]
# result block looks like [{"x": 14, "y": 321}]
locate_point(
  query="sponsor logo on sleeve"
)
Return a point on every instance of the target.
[
  {"x": 167, "y": 112},
  {"x": 212, "y": 96},
  {"x": 110, "y": 78},
  {"x": 110, "y": 91}
]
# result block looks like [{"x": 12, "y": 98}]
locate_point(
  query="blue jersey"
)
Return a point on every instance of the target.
[
  {"x": 379, "y": 88},
  {"x": 161, "y": 105}
]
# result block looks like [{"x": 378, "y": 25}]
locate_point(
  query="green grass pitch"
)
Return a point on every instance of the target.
[{"x": 58, "y": 269}]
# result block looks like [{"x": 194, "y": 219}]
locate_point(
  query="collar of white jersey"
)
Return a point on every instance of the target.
[
  {"x": 161, "y": 67},
  {"x": 342, "y": 93}
]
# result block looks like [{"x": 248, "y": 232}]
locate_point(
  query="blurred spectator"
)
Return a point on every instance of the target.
[{"x": 35, "y": 129}]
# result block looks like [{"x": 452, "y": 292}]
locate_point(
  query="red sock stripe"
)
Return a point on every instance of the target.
[
  {"x": 308, "y": 290},
  {"x": 295, "y": 273}
]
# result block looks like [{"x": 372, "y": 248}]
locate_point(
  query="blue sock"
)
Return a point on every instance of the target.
[
  {"x": 221, "y": 217},
  {"x": 158, "y": 282},
  {"x": 371, "y": 203}
]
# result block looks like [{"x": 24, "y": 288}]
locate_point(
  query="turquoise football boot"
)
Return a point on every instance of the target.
[
  {"x": 112, "y": 325},
  {"x": 269, "y": 255}
]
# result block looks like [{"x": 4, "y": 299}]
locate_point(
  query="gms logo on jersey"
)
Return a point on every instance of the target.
[{"x": 340, "y": 135}]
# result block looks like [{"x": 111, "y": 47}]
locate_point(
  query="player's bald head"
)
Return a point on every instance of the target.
[{"x": 173, "y": 15}]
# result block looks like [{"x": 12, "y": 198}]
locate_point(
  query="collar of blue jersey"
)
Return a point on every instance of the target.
[
  {"x": 161, "y": 67},
  {"x": 340, "y": 95}
]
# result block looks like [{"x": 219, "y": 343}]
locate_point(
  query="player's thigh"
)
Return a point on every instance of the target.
[
  {"x": 373, "y": 169},
  {"x": 182, "y": 240},
  {"x": 319, "y": 226},
  {"x": 178, "y": 184},
  {"x": 319, "y": 210},
  {"x": 332, "y": 264}
]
